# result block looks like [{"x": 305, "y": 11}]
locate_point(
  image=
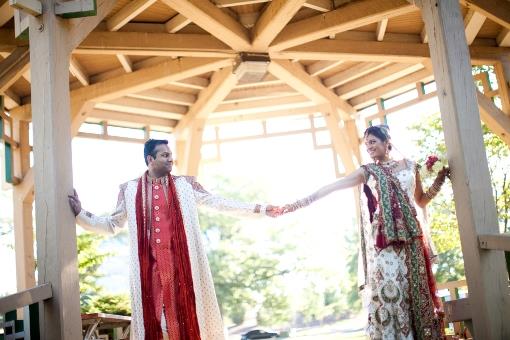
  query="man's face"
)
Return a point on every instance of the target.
[{"x": 163, "y": 161}]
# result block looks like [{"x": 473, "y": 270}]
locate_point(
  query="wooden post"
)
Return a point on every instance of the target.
[
  {"x": 504, "y": 91},
  {"x": 188, "y": 149},
  {"x": 22, "y": 203},
  {"x": 474, "y": 204},
  {"x": 56, "y": 226}
]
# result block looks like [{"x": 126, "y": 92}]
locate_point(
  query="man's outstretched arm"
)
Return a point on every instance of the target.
[
  {"x": 217, "y": 202},
  {"x": 107, "y": 224}
]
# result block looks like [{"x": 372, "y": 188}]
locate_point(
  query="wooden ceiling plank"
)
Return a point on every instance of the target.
[
  {"x": 274, "y": 18},
  {"x": 392, "y": 87},
  {"x": 382, "y": 51},
  {"x": 212, "y": 19},
  {"x": 376, "y": 79},
  {"x": 77, "y": 70},
  {"x": 177, "y": 23},
  {"x": 166, "y": 96},
  {"x": 307, "y": 85},
  {"x": 496, "y": 10},
  {"x": 140, "y": 80},
  {"x": 322, "y": 66},
  {"x": 222, "y": 82},
  {"x": 473, "y": 22},
  {"x": 234, "y": 3},
  {"x": 197, "y": 83},
  {"x": 348, "y": 17},
  {"x": 241, "y": 95},
  {"x": 127, "y": 13},
  {"x": 126, "y": 104},
  {"x": 130, "y": 118},
  {"x": 352, "y": 73},
  {"x": 266, "y": 105}
]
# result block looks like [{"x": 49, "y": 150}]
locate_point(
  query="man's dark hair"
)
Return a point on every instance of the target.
[{"x": 150, "y": 146}]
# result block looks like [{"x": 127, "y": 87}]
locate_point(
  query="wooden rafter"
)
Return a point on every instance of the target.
[
  {"x": 177, "y": 23},
  {"x": 320, "y": 5},
  {"x": 126, "y": 62},
  {"x": 310, "y": 87},
  {"x": 213, "y": 20},
  {"x": 272, "y": 21},
  {"x": 503, "y": 38},
  {"x": 242, "y": 95},
  {"x": 13, "y": 67},
  {"x": 320, "y": 67},
  {"x": 222, "y": 82},
  {"x": 77, "y": 70},
  {"x": 273, "y": 104},
  {"x": 128, "y": 12},
  {"x": 348, "y": 17},
  {"x": 496, "y": 10},
  {"x": 381, "y": 29}
]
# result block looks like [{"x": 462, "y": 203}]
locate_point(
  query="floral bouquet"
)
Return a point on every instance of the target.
[{"x": 433, "y": 165}]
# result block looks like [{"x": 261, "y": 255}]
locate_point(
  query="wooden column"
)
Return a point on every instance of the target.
[
  {"x": 56, "y": 226},
  {"x": 503, "y": 82},
  {"x": 188, "y": 149},
  {"x": 475, "y": 208},
  {"x": 23, "y": 203}
]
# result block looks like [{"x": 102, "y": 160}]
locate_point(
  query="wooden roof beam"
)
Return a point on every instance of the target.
[
  {"x": 496, "y": 10},
  {"x": 140, "y": 80},
  {"x": 162, "y": 44},
  {"x": 197, "y": 83},
  {"x": 214, "y": 20},
  {"x": 126, "y": 63},
  {"x": 234, "y": 3},
  {"x": 381, "y": 51},
  {"x": 274, "y": 18},
  {"x": 13, "y": 67},
  {"x": 376, "y": 79},
  {"x": 222, "y": 82},
  {"x": 242, "y": 95},
  {"x": 127, "y": 13},
  {"x": 310, "y": 87},
  {"x": 348, "y": 17},
  {"x": 166, "y": 96}
]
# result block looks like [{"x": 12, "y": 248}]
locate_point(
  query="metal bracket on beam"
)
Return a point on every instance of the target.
[
  {"x": 32, "y": 7},
  {"x": 251, "y": 67},
  {"x": 76, "y": 8}
]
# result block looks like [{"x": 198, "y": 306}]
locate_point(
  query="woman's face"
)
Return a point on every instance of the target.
[{"x": 376, "y": 148}]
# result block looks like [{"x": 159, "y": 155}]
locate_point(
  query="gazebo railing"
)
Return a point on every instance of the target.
[
  {"x": 457, "y": 310},
  {"x": 28, "y": 300}
]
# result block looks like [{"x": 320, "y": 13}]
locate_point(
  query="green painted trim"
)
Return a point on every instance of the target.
[
  {"x": 81, "y": 14},
  {"x": 8, "y": 162}
]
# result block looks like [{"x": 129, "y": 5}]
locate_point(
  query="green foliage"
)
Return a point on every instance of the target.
[
  {"x": 245, "y": 269},
  {"x": 443, "y": 223},
  {"x": 350, "y": 284},
  {"x": 92, "y": 297}
]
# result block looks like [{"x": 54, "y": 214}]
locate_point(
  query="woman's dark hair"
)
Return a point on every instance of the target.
[
  {"x": 382, "y": 132},
  {"x": 150, "y": 145}
]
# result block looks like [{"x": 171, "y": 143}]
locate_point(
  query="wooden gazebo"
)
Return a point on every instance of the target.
[{"x": 180, "y": 65}]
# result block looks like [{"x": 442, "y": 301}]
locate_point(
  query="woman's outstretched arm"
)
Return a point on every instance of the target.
[
  {"x": 422, "y": 197},
  {"x": 353, "y": 179}
]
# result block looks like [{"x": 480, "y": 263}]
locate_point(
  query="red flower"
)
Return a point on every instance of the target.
[{"x": 431, "y": 160}]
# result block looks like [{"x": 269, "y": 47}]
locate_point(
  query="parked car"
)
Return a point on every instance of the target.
[{"x": 259, "y": 334}]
